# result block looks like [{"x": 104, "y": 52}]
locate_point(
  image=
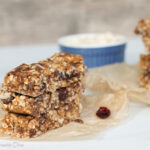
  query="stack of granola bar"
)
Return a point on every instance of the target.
[
  {"x": 143, "y": 28},
  {"x": 42, "y": 96}
]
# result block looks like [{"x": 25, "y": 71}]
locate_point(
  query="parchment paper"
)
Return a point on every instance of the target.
[
  {"x": 118, "y": 77},
  {"x": 116, "y": 102}
]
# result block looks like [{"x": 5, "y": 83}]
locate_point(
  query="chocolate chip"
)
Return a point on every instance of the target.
[
  {"x": 63, "y": 93},
  {"x": 18, "y": 94},
  {"x": 43, "y": 115},
  {"x": 66, "y": 76},
  {"x": 42, "y": 118},
  {"x": 59, "y": 75},
  {"x": 32, "y": 132},
  {"x": 20, "y": 130},
  {"x": 62, "y": 76},
  {"x": 7, "y": 101},
  {"x": 74, "y": 74},
  {"x": 56, "y": 73}
]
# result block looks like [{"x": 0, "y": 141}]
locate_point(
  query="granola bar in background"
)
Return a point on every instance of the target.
[{"x": 143, "y": 27}]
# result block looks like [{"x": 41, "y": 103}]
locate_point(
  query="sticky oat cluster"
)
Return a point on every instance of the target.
[
  {"x": 42, "y": 96},
  {"x": 143, "y": 28}
]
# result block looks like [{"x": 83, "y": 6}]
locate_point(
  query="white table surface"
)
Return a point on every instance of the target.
[{"x": 131, "y": 134}]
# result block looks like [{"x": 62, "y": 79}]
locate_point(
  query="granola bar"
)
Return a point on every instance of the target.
[
  {"x": 60, "y": 70},
  {"x": 143, "y": 27},
  {"x": 22, "y": 104},
  {"x": 23, "y": 126},
  {"x": 42, "y": 96}
]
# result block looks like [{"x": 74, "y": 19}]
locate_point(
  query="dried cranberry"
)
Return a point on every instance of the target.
[{"x": 103, "y": 112}]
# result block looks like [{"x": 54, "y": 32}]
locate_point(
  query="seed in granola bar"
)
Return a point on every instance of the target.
[
  {"x": 103, "y": 112},
  {"x": 7, "y": 101}
]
